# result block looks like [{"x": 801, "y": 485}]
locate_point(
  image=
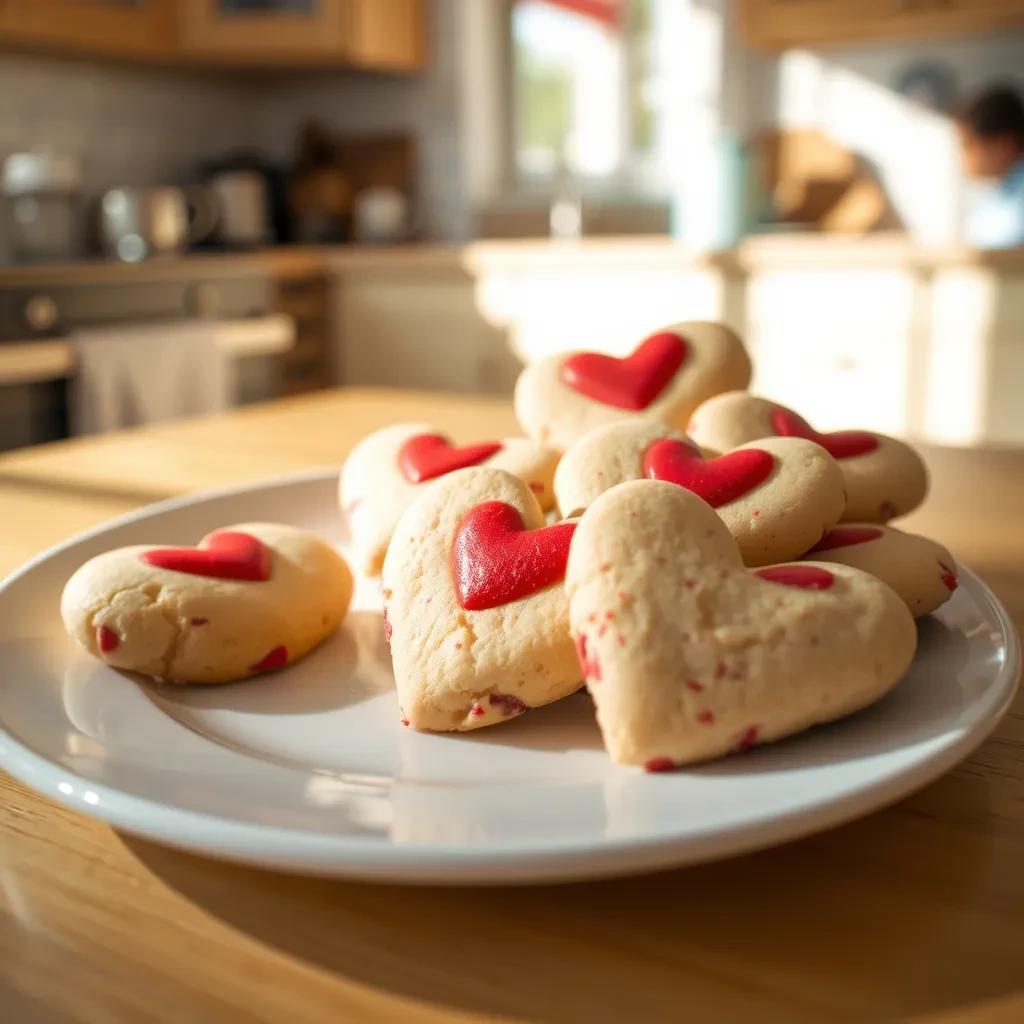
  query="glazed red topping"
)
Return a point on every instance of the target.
[
  {"x": 840, "y": 444},
  {"x": 630, "y": 383},
  {"x": 199, "y": 621},
  {"x": 495, "y": 561},
  {"x": 706, "y": 717},
  {"x": 477, "y": 710},
  {"x": 748, "y": 739},
  {"x": 660, "y": 764},
  {"x": 277, "y": 658},
  {"x": 695, "y": 686},
  {"x": 846, "y": 537},
  {"x": 224, "y": 555},
  {"x": 810, "y": 577},
  {"x": 508, "y": 703},
  {"x": 717, "y": 481},
  {"x": 948, "y": 577},
  {"x": 107, "y": 640},
  {"x": 404, "y": 721},
  {"x": 426, "y": 456}
]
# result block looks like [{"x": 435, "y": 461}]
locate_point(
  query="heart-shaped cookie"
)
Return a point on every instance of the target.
[
  {"x": 777, "y": 496},
  {"x": 388, "y": 468},
  {"x": 884, "y": 477},
  {"x": 478, "y": 617},
  {"x": 922, "y": 572},
  {"x": 688, "y": 655},
  {"x": 563, "y": 397},
  {"x": 248, "y": 599}
]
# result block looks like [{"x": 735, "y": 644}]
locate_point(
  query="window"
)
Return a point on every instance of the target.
[{"x": 587, "y": 92}]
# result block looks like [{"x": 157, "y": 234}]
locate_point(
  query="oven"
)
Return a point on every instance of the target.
[{"x": 37, "y": 355}]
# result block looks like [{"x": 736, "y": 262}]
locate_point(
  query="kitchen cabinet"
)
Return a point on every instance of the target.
[
  {"x": 384, "y": 34},
  {"x": 140, "y": 28},
  {"x": 777, "y": 24},
  {"x": 419, "y": 328},
  {"x": 857, "y": 369}
]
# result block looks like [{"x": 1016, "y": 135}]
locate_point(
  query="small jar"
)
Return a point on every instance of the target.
[{"x": 42, "y": 206}]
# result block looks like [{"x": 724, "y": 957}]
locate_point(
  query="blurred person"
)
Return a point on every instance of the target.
[{"x": 992, "y": 146}]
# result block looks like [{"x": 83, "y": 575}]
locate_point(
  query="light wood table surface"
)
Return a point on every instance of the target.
[{"x": 914, "y": 912}]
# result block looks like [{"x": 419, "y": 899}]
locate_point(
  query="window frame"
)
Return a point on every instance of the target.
[{"x": 635, "y": 179}]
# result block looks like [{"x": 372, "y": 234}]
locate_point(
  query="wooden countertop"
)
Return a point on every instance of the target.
[
  {"x": 475, "y": 258},
  {"x": 913, "y": 912}
]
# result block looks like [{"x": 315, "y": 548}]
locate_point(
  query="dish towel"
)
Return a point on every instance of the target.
[{"x": 131, "y": 374}]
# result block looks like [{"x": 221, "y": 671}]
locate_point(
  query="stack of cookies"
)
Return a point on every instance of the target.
[
  {"x": 717, "y": 573},
  {"x": 714, "y": 570}
]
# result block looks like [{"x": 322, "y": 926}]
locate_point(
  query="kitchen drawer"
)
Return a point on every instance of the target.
[
  {"x": 837, "y": 388},
  {"x": 778, "y": 24},
  {"x": 420, "y": 333}
]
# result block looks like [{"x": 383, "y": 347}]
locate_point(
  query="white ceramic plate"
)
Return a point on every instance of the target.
[{"x": 309, "y": 769}]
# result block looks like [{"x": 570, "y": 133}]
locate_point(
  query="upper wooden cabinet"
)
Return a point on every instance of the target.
[
  {"x": 382, "y": 34},
  {"x": 125, "y": 28},
  {"x": 386, "y": 34},
  {"x": 776, "y": 24}
]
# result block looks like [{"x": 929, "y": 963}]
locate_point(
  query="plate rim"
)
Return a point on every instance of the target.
[{"x": 528, "y": 862}]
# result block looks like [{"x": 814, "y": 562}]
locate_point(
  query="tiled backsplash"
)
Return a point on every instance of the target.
[{"x": 129, "y": 126}]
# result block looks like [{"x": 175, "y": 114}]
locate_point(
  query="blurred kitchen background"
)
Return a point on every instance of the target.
[{"x": 210, "y": 202}]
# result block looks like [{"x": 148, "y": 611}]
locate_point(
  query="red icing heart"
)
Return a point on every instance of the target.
[
  {"x": 717, "y": 481},
  {"x": 810, "y": 577},
  {"x": 846, "y": 537},
  {"x": 495, "y": 561},
  {"x": 630, "y": 383},
  {"x": 426, "y": 456},
  {"x": 225, "y": 555},
  {"x": 840, "y": 444}
]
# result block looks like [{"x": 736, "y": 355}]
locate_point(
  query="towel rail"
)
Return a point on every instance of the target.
[{"x": 29, "y": 362}]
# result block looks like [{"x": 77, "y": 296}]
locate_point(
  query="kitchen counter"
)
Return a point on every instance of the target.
[
  {"x": 916, "y": 910},
  {"x": 782, "y": 249}
]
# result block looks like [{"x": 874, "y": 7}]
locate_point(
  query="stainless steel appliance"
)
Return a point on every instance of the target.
[
  {"x": 137, "y": 223},
  {"x": 243, "y": 207},
  {"x": 42, "y": 207}
]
